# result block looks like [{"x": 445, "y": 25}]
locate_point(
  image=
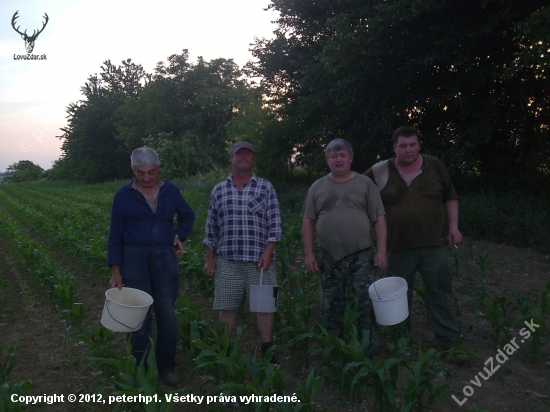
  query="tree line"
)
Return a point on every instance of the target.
[
  {"x": 183, "y": 111},
  {"x": 471, "y": 75}
]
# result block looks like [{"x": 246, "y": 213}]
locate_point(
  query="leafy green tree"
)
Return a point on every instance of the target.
[
  {"x": 471, "y": 75},
  {"x": 183, "y": 112},
  {"x": 255, "y": 122},
  {"x": 90, "y": 149},
  {"x": 23, "y": 171}
]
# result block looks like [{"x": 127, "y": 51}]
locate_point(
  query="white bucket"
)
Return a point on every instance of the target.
[
  {"x": 263, "y": 298},
  {"x": 389, "y": 300},
  {"x": 125, "y": 309}
]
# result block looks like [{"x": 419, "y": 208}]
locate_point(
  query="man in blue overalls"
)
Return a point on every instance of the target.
[{"x": 141, "y": 254}]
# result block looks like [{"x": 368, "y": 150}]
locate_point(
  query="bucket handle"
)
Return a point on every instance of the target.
[
  {"x": 374, "y": 281},
  {"x": 126, "y": 326},
  {"x": 261, "y": 275}
]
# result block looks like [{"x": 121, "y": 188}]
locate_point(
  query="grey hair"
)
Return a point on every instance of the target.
[
  {"x": 144, "y": 156},
  {"x": 338, "y": 144}
]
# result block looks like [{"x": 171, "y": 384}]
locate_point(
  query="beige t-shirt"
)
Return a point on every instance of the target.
[{"x": 343, "y": 213}]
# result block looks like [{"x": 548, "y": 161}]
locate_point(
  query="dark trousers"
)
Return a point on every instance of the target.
[
  {"x": 433, "y": 265},
  {"x": 155, "y": 270}
]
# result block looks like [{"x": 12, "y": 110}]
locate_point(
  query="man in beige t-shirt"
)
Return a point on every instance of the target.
[{"x": 342, "y": 207}]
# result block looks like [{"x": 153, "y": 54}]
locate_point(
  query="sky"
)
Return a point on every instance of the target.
[{"x": 81, "y": 34}]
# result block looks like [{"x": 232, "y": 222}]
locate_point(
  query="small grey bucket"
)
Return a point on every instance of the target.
[{"x": 263, "y": 298}]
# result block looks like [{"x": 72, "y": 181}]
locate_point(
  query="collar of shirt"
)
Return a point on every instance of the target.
[
  {"x": 151, "y": 202},
  {"x": 230, "y": 178},
  {"x": 425, "y": 162}
]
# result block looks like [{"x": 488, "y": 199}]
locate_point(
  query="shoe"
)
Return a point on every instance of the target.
[
  {"x": 462, "y": 358},
  {"x": 265, "y": 347},
  {"x": 456, "y": 353},
  {"x": 170, "y": 378}
]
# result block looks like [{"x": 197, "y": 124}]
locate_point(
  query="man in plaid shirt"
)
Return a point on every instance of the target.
[{"x": 242, "y": 230}]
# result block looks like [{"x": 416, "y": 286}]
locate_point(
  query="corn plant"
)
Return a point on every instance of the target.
[
  {"x": 531, "y": 308},
  {"x": 7, "y": 364},
  {"x": 186, "y": 314},
  {"x": 295, "y": 310},
  {"x": 307, "y": 393},
  {"x": 7, "y": 388},
  {"x": 75, "y": 315},
  {"x": 234, "y": 373},
  {"x": 458, "y": 349},
  {"x": 456, "y": 258},
  {"x": 220, "y": 358},
  {"x": 262, "y": 378},
  {"x": 337, "y": 354},
  {"x": 98, "y": 342},
  {"x": 63, "y": 286},
  {"x": 347, "y": 360},
  {"x": 81, "y": 229},
  {"x": 458, "y": 313},
  {"x": 131, "y": 379},
  {"x": 291, "y": 240},
  {"x": 478, "y": 306},
  {"x": 57, "y": 282},
  {"x": 265, "y": 379},
  {"x": 419, "y": 382},
  {"x": 206, "y": 333},
  {"x": 191, "y": 269},
  {"x": 484, "y": 266},
  {"x": 383, "y": 375},
  {"x": 497, "y": 313},
  {"x": 483, "y": 263}
]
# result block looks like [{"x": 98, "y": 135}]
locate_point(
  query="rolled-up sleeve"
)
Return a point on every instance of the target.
[
  {"x": 274, "y": 230},
  {"x": 212, "y": 227}
]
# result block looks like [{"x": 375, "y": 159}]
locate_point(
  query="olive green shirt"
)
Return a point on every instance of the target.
[
  {"x": 343, "y": 213},
  {"x": 415, "y": 213}
]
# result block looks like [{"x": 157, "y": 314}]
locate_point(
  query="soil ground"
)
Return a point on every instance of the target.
[{"x": 57, "y": 364}]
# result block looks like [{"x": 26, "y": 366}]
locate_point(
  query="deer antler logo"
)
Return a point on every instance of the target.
[{"x": 29, "y": 40}]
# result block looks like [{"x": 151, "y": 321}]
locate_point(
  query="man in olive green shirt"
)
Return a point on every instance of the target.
[{"x": 417, "y": 193}]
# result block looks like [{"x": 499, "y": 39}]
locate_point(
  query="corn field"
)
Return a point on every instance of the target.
[{"x": 47, "y": 225}]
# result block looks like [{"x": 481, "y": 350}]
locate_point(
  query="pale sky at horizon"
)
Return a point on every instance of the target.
[{"x": 82, "y": 34}]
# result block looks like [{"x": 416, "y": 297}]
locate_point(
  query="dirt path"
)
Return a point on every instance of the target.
[
  {"x": 518, "y": 384},
  {"x": 45, "y": 355}
]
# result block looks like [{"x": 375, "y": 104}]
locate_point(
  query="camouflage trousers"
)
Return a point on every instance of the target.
[{"x": 343, "y": 282}]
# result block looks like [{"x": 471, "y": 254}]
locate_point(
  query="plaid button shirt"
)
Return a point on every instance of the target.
[{"x": 241, "y": 222}]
